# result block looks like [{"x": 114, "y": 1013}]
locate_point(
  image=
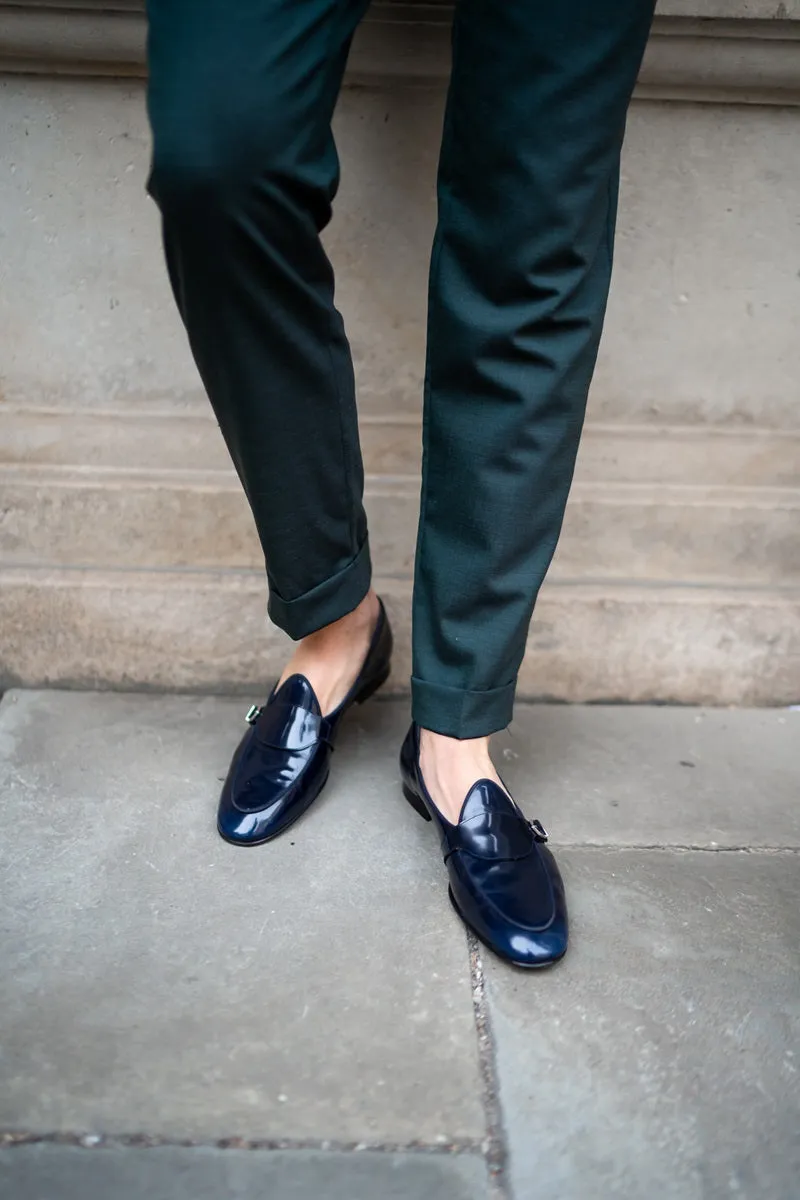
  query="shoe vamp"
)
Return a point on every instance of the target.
[
  {"x": 266, "y": 774},
  {"x": 520, "y": 890}
]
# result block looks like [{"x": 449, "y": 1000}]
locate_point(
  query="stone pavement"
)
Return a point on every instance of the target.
[{"x": 185, "y": 1020}]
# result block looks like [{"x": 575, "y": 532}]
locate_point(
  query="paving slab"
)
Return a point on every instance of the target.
[
  {"x": 653, "y": 775},
  {"x": 52, "y": 1172},
  {"x": 662, "y": 1058},
  {"x": 156, "y": 979},
  {"x": 624, "y": 775}
]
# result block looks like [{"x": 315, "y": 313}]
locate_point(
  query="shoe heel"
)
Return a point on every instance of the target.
[
  {"x": 415, "y": 802},
  {"x": 369, "y": 689}
]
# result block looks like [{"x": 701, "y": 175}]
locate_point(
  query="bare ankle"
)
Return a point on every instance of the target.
[
  {"x": 331, "y": 657},
  {"x": 363, "y": 616},
  {"x": 443, "y": 749},
  {"x": 450, "y": 766}
]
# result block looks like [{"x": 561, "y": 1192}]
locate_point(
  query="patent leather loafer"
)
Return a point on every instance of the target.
[
  {"x": 281, "y": 764},
  {"x": 504, "y": 881}
]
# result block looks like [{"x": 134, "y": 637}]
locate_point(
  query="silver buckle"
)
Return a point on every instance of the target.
[
  {"x": 253, "y": 713},
  {"x": 539, "y": 831}
]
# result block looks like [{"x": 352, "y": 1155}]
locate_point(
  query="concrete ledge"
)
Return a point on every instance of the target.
[
  {"x": 183, "y": 435},
  {"x": 207, "y": 631},
  {"x": 740, "y": 61},
  {"x": 651, "y": 533},
  {"x": 749, "y": 54}
]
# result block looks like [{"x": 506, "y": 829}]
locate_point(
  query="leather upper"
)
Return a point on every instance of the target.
[
  {"x": 504, "y": 881},
  {"x": 282, "y": 743},
  {"x": 282, "y": 762},
  {"x": 489, "y": 826}
]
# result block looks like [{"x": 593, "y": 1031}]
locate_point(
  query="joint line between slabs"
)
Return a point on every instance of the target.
[
  {"x": 11, "y": 1138},
  {"x": 680, "y": 847},
  {"x": 495, "y": 1145}
]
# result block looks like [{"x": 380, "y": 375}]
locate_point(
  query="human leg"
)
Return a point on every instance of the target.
[
  {"x": 245, "y": 171},
  {"x": 519, "y": 280}
]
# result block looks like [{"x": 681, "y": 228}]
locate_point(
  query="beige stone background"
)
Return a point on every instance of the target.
[{"x": 127, "y": 554}]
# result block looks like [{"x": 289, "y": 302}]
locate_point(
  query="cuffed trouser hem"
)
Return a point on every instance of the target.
[
  {"x": 461, "y": 714},
  {"x": 325, "y": 603}
]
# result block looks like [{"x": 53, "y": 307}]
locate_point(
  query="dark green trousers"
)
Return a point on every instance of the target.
[{"x": 245, "y": 170}]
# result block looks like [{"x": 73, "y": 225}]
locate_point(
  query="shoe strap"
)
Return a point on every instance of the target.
[
  {"x": 494, "y": 835},
  {"x": 289, "y": 727}
]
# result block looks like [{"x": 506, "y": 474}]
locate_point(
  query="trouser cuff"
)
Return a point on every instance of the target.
[
  {"x": 325, "y": 603},
  {"x": 458, "y": 713}
]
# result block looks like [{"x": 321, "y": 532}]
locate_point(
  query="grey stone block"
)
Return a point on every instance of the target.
[
  {"x": 50, "y": 1172},
  {"x": 765, "y": 10},
  {"x": 182, "y": 440},
  {"x": 652, "y": 776},
  {"x": 661, "y": 1058},
  {"x": 626, "y": 533},
  {"x": 701, "y": 323},
  {"x": 692, "y": 342},
  {"x": 207, "y": 631},
  {"x": 156, "y": 979}
]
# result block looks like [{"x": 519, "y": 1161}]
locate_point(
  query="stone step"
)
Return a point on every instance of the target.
[
  {"x": 54, "y": 516},
  {"x": 174, "y": 436},
  {"x": 207, "y": 630}
]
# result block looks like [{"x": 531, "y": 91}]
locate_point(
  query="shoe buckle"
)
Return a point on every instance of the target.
[
  {"x": 253, "y": 713},
  {"x": 538, "y": 830}
]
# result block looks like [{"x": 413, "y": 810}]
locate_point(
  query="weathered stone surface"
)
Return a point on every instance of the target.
[
  {"x": 157, "y": 979},
  {"x": 700, "y": 325},
  {"x": 207, "y": 631},
  {"x": 47, "y": 1172},
  {"x": 619, "y": 532},
  {"x": 176, "y": 437},
  {"x": 618, "y": 776},
  {"x": 596, "y": 775},
  {"x": 661, "y": 1058},
  {"x": 700, "y": 331},
  {"x": 410, "y": 42},
  {"x": 709, "y": 10}
]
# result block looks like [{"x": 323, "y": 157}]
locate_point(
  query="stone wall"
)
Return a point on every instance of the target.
[{"x": 127, "y": 555}]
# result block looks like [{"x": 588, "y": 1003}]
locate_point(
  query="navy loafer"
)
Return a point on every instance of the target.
[
  {"x": 504, "y": 882},
  {"x": 281, "y": 764}
]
